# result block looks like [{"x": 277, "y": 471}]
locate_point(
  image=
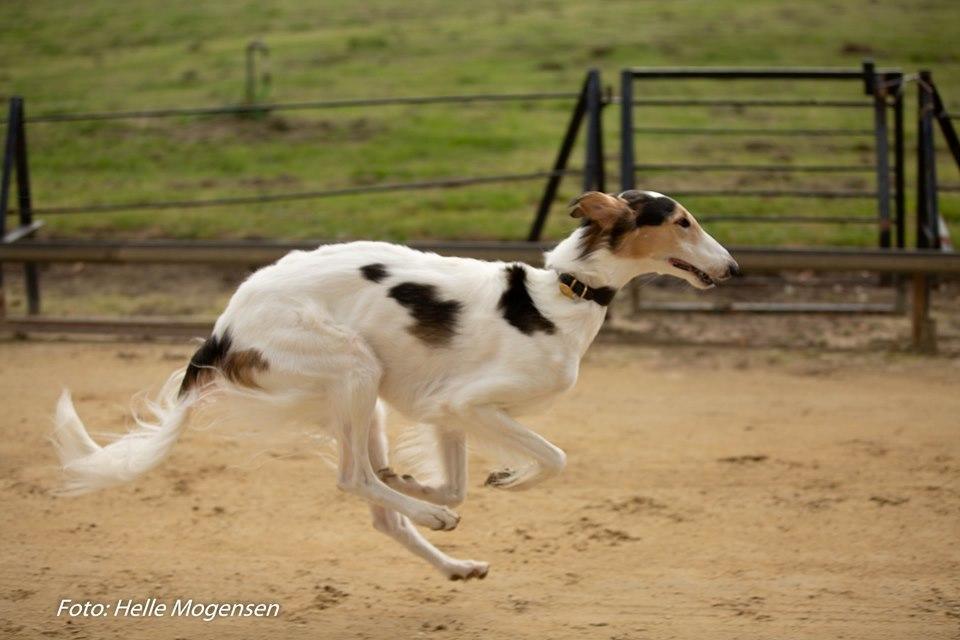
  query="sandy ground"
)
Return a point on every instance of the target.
[{"x": 710, "y": 494}]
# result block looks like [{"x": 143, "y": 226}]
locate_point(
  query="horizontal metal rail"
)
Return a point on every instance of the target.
[
  {"x": 807, "y": 168},
  {"x": 751, "y": 259},
  {"x": 773, "y": 307},
  {"x": 238, "y": 252},
  {"x": 747, "y": 73},
  {"x": 153, "y": 327},
  {"x": 679, "y": 101},
  {"x": 447, "y": 183},
  {"x": 417, "y": 100},
  {"x": 774, "y": 193},
  {"x": 753, "y": 131},
  {"x": 789, "y": 219},
  {"x": 139, "y": 327},
  {"x": 300, "y": 106},
  {"x": 902, "y": 261}
]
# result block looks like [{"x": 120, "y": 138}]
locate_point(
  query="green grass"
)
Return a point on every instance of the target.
[{"x": 101, "y": 55}]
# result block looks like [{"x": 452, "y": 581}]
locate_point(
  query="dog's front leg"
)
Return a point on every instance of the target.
[{"x": 495, "y": 425}]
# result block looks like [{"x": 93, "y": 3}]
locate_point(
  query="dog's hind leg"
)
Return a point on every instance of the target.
[
  {"x": 329, "y": 368},
  {"x": 451, "y": 449},
  {"x": 355, "y": 398},
  {"x": 400, "y": 528}
]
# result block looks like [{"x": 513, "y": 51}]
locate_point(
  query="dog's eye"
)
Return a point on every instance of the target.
[{"x": 684, "y": 222}]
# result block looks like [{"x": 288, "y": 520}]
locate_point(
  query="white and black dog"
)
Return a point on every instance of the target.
[{"x": 460, "y": 346}]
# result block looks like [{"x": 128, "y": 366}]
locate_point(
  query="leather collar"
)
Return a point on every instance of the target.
[{"x": 573, "y": 289}]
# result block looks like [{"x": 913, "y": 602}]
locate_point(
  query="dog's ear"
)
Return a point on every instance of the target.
[{"x": 601, "y": 208}]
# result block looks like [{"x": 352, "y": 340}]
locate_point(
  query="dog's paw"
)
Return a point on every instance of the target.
[
  {"x": 408, "y": 485},
  {"x": 390, "y": 478},
  {"x": 437, "y": 518},
  {"x": 503, "y": 479},
  {"x": 467, "y": 570}
]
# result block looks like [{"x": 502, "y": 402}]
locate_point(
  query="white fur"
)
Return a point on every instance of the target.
[
  {"x": 87, "y": 466},
  {"x": 338, "y": 347}
]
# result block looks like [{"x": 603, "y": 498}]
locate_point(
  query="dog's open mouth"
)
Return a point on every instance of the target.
[{"x": 702, "y": 276}]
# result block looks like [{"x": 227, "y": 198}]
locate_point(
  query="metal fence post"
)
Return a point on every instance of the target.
[
  {"x": 946, "y": 124},
  {"x": 9, "y": 151},
  {"x": 899, "y": 171},
  {"x": 876, "y": 87},
  {"x": 627, "y": 162},
  {"x": 15, "y": 159},
  {"x": 25, "y": 207},
  {"x": 928, "y": 234},
  {"x": 559, "y": 164},
  {"x": 593, "y": 178},
  {"x": 928, "y": 218},
  {"x": 251, "y": 94}
]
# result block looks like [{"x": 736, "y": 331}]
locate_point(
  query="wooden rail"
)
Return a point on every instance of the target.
[{"x": 919, "y": 264}]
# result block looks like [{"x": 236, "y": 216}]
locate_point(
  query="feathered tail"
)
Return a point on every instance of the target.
[{"x": 87, "y": 466}]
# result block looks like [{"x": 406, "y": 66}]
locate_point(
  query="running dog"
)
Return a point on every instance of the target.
[{"x": 460, "y": 346}]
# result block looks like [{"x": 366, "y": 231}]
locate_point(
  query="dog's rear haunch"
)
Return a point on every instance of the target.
[
  {"x": 216, "y": 356},
  {"x": 459, "y": 346}
]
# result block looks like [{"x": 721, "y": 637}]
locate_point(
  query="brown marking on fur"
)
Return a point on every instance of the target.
[
  {"x": 611, "y": 221},
  {"x": 214, "y": 356},
  {"x": 240, "y": 366},
  {"x": 601, "y": 208},
  {"x": 607, "y": 220},
  {"x": 659, "y": 241},
  {"x": 602, "y": 215}
]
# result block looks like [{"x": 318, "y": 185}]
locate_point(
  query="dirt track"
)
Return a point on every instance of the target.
[{"x": 709, "y": 494}]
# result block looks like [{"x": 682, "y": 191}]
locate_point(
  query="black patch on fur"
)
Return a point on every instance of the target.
[
  {"x": 651, "y": 211},
  {"x": 619, "y": 229},
  {"x": 436, "y": 319},
  {"x": 603, "y": 295},
  {"x": 211, "y": 354},
  {"x": 374, "y": 272},
  {"x": 517, "y": 306}
]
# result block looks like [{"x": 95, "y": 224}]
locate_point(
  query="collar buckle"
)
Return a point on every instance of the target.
[
  {"x": 567, "y": 291},
  {"x": 575, "y": 290}
]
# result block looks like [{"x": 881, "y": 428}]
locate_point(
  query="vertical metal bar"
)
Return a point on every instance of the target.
[
  {"x": 25, "y": 206},
  {"x": 595, "y": 106},
  {"x": 559, "y": 165},
  {"x": 8, "y": 159},
  {"x": 251, "y": 86},
  {"x": 592, "y": 160},
  {"x": 627, "y": 162},
  {"x": 927, "y": 187},
  {"x": 869, "y": 77},
  {"x": 882, "y": 152},
  {"x": 923, "y": 239},
  {"x": 601, "y": 162},
  {"x": 900, "y": 202},
  {"x": 946, "y": 124},
  {"x": 928, "y": 236}
]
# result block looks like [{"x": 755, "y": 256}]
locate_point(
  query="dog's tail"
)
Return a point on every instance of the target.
[{"x": 87, "y": 466}]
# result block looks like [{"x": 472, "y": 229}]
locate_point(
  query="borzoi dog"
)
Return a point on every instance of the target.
[{"x": 460, "y": 346}]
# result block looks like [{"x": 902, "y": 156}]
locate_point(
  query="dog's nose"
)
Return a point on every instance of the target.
[{"x": 733, "y": 270}]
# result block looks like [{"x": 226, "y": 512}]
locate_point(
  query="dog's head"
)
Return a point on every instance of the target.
[{"x": 657, "y": 232}]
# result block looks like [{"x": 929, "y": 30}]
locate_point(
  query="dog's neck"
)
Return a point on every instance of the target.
[{"x": 599, "y": 268}]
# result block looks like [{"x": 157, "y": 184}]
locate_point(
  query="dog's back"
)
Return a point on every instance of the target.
[{"x": 431, "y": 320}]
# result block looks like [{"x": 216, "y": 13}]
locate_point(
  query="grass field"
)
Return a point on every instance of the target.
[{"x": 98, "y": 55}]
